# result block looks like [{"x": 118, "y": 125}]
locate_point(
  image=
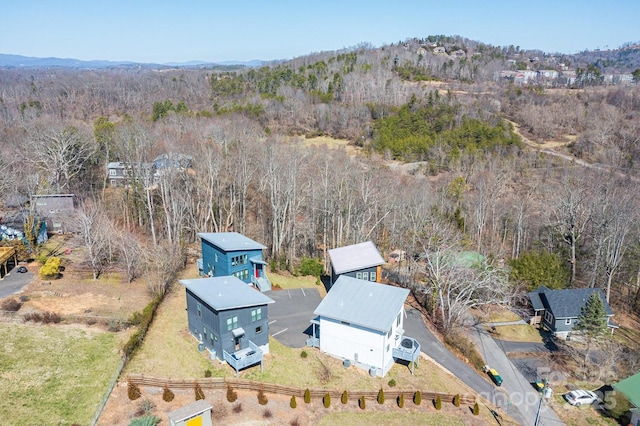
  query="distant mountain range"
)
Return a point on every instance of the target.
[{"x": 18, "y": 61}]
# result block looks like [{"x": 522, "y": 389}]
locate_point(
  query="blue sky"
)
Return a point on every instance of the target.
[{"x": 181, "y": 30}]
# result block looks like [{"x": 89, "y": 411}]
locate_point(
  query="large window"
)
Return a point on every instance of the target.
[
  {"x": 199, "y": 308},
  {"x": 256, "y": 314},
  {"x": 232, "y": 323},
  {"x": 372, "y": 276},
  {"x": 239, "y": 260},
  {"x": 365, "y": 276},
  {"x": 242, "y": 275}
]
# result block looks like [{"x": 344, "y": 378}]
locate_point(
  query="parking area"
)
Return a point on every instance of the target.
[
  {"x": 14, "y": 281},
  {"x": 290, "y": 315}
]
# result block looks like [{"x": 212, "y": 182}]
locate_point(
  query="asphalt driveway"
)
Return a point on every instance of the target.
[
  {"x": 13, "y": 282},
  {"x": 290, "y": 316}
]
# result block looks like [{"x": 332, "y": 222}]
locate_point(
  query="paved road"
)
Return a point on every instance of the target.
[
  {"x": 13, "y": 283},
  {"x": 290, "y": 316},
  {"x": 519, "y": 390},
  {"x": 414, "y": 327}
]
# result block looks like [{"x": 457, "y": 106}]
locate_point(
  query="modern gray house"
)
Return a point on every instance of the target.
[
  {"x": 362, "y": 322},
  {"x": 231, "y": 253},
  {"x": 229, "y": 318},
  {"x": 558, "y": 310},
  {"x": 362, "y": 261}
]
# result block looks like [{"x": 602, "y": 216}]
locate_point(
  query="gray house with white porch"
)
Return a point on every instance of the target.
[{"x": 229, "y": 318}]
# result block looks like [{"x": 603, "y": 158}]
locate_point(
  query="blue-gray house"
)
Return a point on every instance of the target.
[
  {"x": 362, "y": 261},
  {"x": 231, "y": 253},
  {"x": 558, "y": 310},
  {"x": 229, "y": 318}
]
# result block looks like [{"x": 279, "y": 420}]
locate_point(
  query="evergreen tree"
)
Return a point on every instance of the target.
[{"x": 592, "y": 322}]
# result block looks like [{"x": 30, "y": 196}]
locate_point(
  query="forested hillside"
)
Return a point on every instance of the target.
[{"x": 475, "y": 186}]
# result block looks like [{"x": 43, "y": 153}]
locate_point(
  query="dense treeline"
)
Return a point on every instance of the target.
[{"x": 253, "y": 172}]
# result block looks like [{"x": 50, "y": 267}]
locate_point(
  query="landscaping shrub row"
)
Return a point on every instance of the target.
[{"x": 143, "y": 320}]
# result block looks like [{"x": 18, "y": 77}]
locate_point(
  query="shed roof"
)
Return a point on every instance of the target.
[
  {"x": 190, "y": 410},
  {"x": 355, "y": 257},
  {"x": 363, "y": 303},
  {"x": 230, "y": 241},
  {"x": 566, "y": 303},
  {"x": 222, "y": 293},
  {"x": 631, "y": 388}
]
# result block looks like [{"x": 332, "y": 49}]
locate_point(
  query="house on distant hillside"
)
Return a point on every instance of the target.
[
  {"x": 57, "y": 210},
  {"x": 362, "y": 261},
  {"x": 362, "y": 322},
  {"x": 558, "y": 310},
  {"x": 123, "y": 174},
  {"x": 229, "y": 318},
  {"x": 231, "y": 253}
]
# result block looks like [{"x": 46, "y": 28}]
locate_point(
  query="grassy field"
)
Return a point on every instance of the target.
[
  {"x": 518, "y": 333},
  {"x": 54, "y": 374},
  {"x": 500, "y": 314}
]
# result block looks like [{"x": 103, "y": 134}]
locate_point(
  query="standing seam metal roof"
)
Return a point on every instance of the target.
[
  {"x": 222, "y": 293},
  {"x": 231, "y": 241},
  {"x": 355, "y": 257},
  {"x": 363, "y": 303}
]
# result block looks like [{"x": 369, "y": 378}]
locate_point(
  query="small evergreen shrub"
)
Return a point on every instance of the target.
[
  {"x": 307, "y": 396},
  {"x": 231, "y": 394},
  {"x": 401, "y": 400},
  {"x": 438, "y": 403},
  {"x": 207, "y": 373},
  {"x": 262, "y": 398},
  {"x": 133, "y": 391},
  {"x": 476, "y": 409},
  {"x": 293, "y": 403},
  {"x": 392, "y": 383},
  {"x": 417, "y": 397},
  {"x": 344, "y": 398},
  {"x": 380, "y": 396},
  {"x": 304, "y": 354},
  {"x": 199, "y": 394},
  {"x": 361, "y": 403},
  {"x": 326, "y": 401},
  {"x": 167, "y": 394},
  {"x": 456, "y": 400}
]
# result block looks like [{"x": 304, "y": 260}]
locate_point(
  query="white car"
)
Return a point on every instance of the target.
[{"x": 581, "y": 397}]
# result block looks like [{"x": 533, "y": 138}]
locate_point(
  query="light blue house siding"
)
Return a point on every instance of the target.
[{"x": 232, "y": 254}]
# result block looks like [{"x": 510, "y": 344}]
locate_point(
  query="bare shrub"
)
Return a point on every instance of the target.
[
  {"x": 11, "y": 305},
  {"x": 237, "y": 408},
  {"x": 267, "y": 414},
  {"x": 219, "y": 412}
]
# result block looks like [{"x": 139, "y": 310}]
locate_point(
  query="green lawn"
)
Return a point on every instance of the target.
[
  {"x": 54, "y": 374},
  {"x": 518, "y": 333}
]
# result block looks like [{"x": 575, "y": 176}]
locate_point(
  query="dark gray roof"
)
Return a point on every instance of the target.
[
  {"x": 222, "y": 293},
  {"x": 230, "y": 241},
  {"x": 569, "y": 302},
  {"x": 355, "y": 257},
  {"x": 534, "y": 296},
  {"x": 363, "y": 303}
]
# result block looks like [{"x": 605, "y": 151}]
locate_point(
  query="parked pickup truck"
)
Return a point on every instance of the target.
[{"x": 493, "y": 374}]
